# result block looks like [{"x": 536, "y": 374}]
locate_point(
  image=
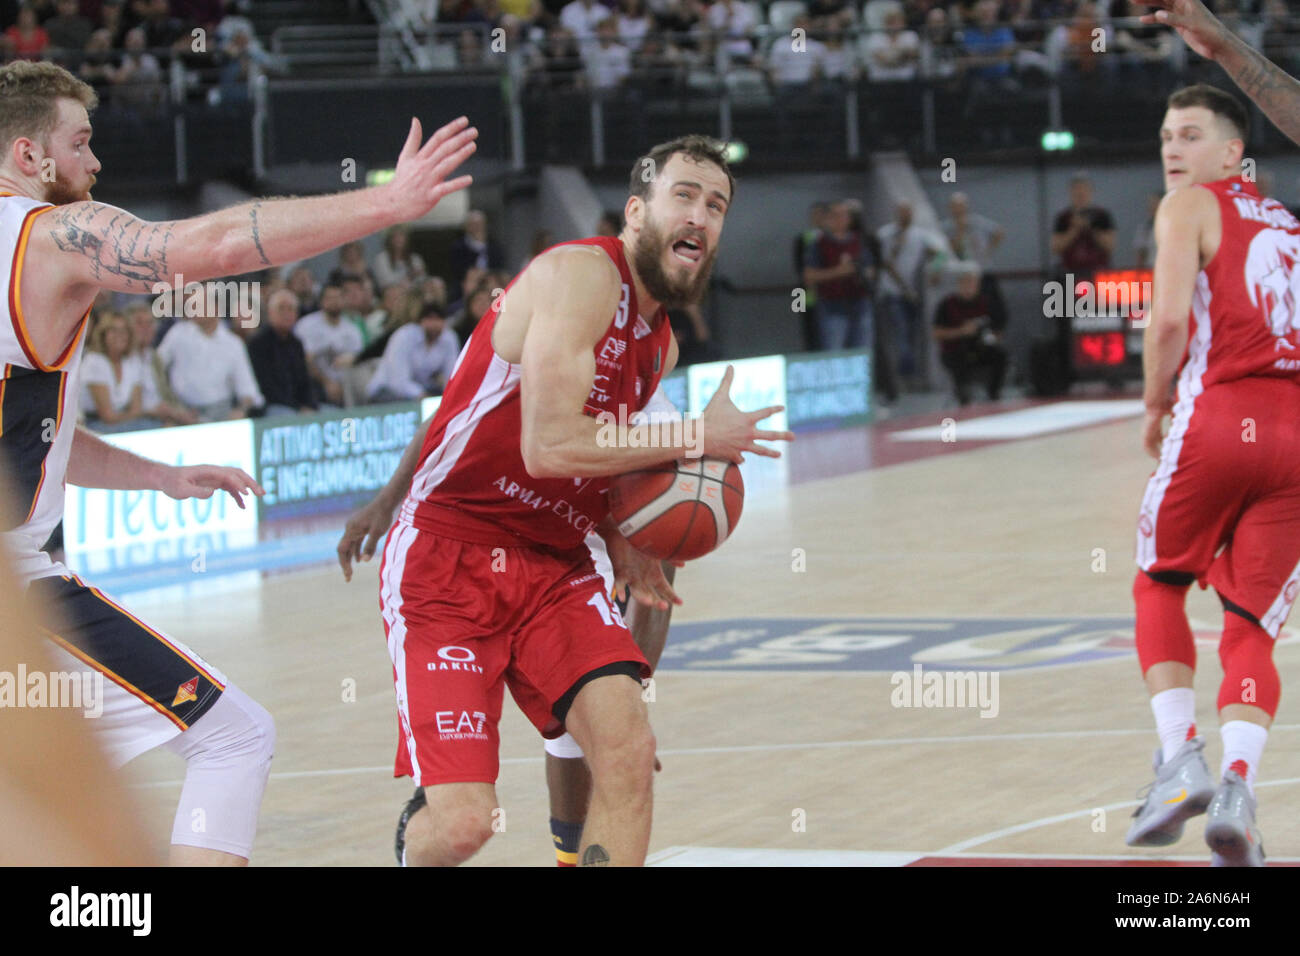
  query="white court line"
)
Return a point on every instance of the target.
[
  {"x": 1062, "y": 817},
  {"x": 754, "y": 748}
]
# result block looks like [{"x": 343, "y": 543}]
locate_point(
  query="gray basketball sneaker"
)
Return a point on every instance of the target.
[
  {"x": 1230, "y": 827},
  {"x": 1181, "y": 790}
]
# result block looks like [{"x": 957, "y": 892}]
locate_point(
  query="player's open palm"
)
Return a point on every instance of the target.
[
  {"x": 200, "y": 481},
  {"x": 420, "y": 179},
  {"x": 1194, "y": 23},
  {"x": 726, "y": 432}
]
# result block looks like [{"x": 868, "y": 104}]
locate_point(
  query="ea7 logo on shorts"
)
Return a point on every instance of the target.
[
  {"x": 461, "y": 725},
  {"x": 455, "y": 658}
]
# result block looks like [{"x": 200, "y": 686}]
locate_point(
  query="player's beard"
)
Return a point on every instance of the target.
[
  {"x": 60, "y": 192},
  {"x": 647, "y": 259}
]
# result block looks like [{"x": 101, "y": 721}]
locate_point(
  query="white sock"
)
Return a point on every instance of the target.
[
  {"x": 1175, "y": 712},
  {"x": 1243, "y": 741}
]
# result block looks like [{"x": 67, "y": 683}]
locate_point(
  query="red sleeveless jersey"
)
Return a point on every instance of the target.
[
  {"x": 471, "y": 483},
  {"x": 1246, "y": 307}
]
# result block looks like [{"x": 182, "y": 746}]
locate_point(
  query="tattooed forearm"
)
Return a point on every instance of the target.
[
  {"x": 257, "y": 239},
  {"x": 109, "y": 239},
  {"x": 1273, "y": 90}
]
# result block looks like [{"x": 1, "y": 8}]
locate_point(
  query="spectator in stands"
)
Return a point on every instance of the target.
[
  {"x": 836, "y": 60},
  {"x": 199, "y": 13},
  {"x": 543, "y": 239},
  {"x": 974, "y": 238},
  {"x": 278, "y": 359},
  {"x": 97, "y": 67},
  {"x": 794, "y": 59},
  {"x": 137, "y": 81},
  {"x": 399, "y": 310},
  {"x": 303, "y": 284},
  {"x": 580, "y": 18},
  {"x": 476, "y": 305},
  {"x": 473, "y": 247},
  {"x": 841, "y": 266},
  {"x": 331, "y": 345},
  {"x": 240, "y": 52},
  {"x": 433, "y": 289},
  {"x": 610, "y": 223},
  {"x": 397, "y": 262},
  {"x": 968, "y": 326},
  {"x": 418, "y": 359},
  {"x": 352, "y": 262},
  {"x": 907, "y": 251},
  {"x": 1083, "y": 236},
  {"x": 358, "y": 302},
  {"x": 804, "y": 244},
  {"x": 989, "y": 47},
  {"x": 892, "y": 54},
  {"x": 29, "y": 40},
  {"x": 110, "y": 19},
  {"x": 159, "y": 399},
  {"x": 733, "y": 24},
  {"x": 1081, "y": 52},
  {"x": 557, "y": 64},
  {"x": 609, "y": 62},
  {"x": 469, "y": 50},
  {"x": 380, "y": 321},
  {"x": 208, "y": 368},
  {"x": 161, "y": 29},
  {"x": 113, "y": 378},
  {"x": 1146, "y": 51},
  {"x": 940, "y": 57},
  {"x": 68, "y": 32},
  {"x": 633, "y": 23}
]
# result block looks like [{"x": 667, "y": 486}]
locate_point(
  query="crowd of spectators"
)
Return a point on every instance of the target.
[
  {"x": 990, "y": 45},
  {"x": 123, "y": 48}
]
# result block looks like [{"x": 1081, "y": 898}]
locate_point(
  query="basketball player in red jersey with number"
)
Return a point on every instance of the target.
[
  {"x": 485, "y": 578},
  {"x": 1223, "y": 506}
]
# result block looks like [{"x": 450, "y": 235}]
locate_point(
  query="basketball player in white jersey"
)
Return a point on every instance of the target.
[
  {"x": 568, "y": 781},
  {"x": 58, "y": 248}
]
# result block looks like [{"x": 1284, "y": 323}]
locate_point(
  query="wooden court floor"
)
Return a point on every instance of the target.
[{"x": 1041, "y": 527}]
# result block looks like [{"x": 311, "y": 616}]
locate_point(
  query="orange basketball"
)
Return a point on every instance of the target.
[{"x": 679, "y": 510}]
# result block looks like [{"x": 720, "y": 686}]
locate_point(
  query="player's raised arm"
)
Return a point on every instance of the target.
[
  {"x": 90, "y": 244},
  {"x": 1274, "y": 91}
]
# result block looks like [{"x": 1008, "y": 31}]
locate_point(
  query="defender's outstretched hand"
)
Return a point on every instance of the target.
[
  {"x": 1195, "y": 24},
  {"x": 420, "y": 179},
  {"x": 200, "y": 481}
]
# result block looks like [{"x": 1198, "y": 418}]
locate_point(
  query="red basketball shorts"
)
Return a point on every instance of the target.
[
  {"x": 462, "y": 620},
  {"x": 1223, "y": 506}
]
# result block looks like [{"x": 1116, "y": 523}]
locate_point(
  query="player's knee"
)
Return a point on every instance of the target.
[
  {"x": 1250, "y": 675},
  {"x": 625, "y": 762},
  {"x": 464, "y": 830}
]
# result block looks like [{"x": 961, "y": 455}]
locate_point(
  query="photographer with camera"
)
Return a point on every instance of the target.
[{"x": 968, "y": 326}]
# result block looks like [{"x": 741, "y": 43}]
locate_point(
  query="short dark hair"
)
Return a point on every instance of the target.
[
  {"x": 431, "y": 307},
  {"x": 1216, "y": 101},
  {"x": 703, "y": 149}
]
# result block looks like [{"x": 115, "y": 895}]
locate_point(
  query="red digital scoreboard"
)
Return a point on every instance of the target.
[{"x": 1107, "y": 316}]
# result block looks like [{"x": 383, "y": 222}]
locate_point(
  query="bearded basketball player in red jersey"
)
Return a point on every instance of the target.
[
  {"x": 1223, "y": 507},
  {"x": 486, "y": 580}
]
